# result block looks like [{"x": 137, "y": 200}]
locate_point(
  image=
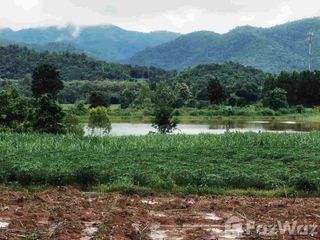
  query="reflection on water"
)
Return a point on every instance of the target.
[{"x": 216, "y": 127}]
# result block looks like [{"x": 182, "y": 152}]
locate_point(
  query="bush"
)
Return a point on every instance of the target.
[
  {"x": 141, "y": 179},
  {"x": 305, "y": 184},
  {"x": 176, "y": 112},
  {"x": 267, "y": 112},
  {"x": 99, "y": 118},
  {"x": 87, "y": 176},
  {"x": 300, "y": 109},
  {"x": 73, "y": 125},
  {"x": 276, "y": 99}
]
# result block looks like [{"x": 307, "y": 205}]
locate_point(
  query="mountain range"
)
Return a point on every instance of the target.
[
  {"x": 282, "y": 47},
  {"x": 104, "y": 42}
]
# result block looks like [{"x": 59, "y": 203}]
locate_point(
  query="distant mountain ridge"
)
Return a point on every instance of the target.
[
  {"x": 105, "y": 42},
  {"x": 282, "y": 47}
]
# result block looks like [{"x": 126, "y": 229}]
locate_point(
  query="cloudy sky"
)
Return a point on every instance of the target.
[{"x": 148, "y": 15}]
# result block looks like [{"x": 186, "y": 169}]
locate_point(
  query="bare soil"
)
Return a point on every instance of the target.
[{"x": 67, "y": 213}]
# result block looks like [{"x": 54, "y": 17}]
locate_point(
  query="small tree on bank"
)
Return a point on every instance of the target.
[
  {"x": 46, "y": 80},
  {"x": 99, "y": 118},
  {"x": 164, "y": 102}
]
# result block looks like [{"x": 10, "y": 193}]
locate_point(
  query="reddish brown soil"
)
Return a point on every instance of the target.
[{"x": 66, "y": 213}]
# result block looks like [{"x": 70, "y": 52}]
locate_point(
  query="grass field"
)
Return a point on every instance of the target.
[{"x": 234, "y": 163}]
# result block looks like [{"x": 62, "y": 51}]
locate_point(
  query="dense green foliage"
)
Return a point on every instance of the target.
[
  {"x": 283, "y": 47},
  {"x": 105, "y": 42},
  {"x": 302, "y": 88},
  {"x": 15, "y": 110},
  {"x": 42, "y": 114},
  {"x": 48, "y": 116},
  {"x": 99, "y": 99},
  {"x": 112, "y": 91},
  {"x": 230, "y": 161},
  {"x": 276, "y": 99},
  {"x": 46, "y": 80},
  {"x": 228, "y": 73},
  {"x": 16, "y": 62}
]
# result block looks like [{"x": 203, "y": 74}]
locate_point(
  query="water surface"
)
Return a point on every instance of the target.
[{"x": 216, "y": 127}]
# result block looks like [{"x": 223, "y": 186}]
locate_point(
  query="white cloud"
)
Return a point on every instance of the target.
[
  {"x": 26, "y": 4},
  {"x": 145, "y": 15},
  {"x": 284, "y": 15},
  {"x": 181, "y": 18},
  {"x": 247, "y": 18}
]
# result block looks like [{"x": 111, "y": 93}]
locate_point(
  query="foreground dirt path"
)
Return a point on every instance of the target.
[{"x": 66, "y": 213}]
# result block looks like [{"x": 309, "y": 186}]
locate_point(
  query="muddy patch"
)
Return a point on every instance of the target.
[{"x": 66, "y": 213}]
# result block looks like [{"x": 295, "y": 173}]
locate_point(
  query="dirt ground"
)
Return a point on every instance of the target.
[{"x": 66, "y": 213}]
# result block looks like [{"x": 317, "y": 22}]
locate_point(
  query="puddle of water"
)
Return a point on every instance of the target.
[
  {"x": 4, "y": 224},
  {"x": 289, "y": 122},
  {"x": 211, "y": 216},
  {"x": 232, "y": 233},
  {"x": 225, "y": 234},
  {"x": 89, "y": 231},
  {"x": 150, "y": 202},
  {"x": 260, "y": 122},
  {"x": 157, "y": 214},
  {"x": 157, "y": 234}
]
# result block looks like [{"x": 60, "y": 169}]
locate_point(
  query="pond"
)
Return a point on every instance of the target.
[{"x": 216, "y": 127}]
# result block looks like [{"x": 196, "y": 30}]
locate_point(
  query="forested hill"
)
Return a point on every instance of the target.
[
  {"x": 228, "y": 73},
  {"x": 105, "y": 42},
  {"x": 17, "y": 61},
  {"x": 283, "y": 47}
]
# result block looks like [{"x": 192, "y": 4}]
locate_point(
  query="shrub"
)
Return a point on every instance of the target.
[
  {"x": 99, "y": 118},
  {"x": 300, "y": 109},
  {"x": 276, "y": 99},
  {"x": 305, "y": 184},
  {"x": 267, "y": 112},
  {"x": 87, "y": 176}
]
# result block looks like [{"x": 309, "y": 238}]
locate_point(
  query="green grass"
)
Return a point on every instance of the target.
[
  {"x": 208, "y": 115},
  {"x": 204, "y": 164}
]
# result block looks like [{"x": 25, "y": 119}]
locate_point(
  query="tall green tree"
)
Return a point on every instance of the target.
[
  {"x": 48, "y": 116},
  {"x": 216, "y": 90},
  {"x": 183, "y": 93},
  {"x": 276, "y": 99},
  {"x": 127, "y": 96},
  {"x": 46, "y": 80},
  {"x": 164, "y": 102}
]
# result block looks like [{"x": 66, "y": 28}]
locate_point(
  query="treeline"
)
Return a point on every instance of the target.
[
  {"x": 301, "y": 87},
  {"x": 230, "y": 83},
  {"x": 39, "y": 112},
  {"x": 17, "y": 61}
]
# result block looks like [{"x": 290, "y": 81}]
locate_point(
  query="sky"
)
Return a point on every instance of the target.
[{"x": 182, "y": 16}]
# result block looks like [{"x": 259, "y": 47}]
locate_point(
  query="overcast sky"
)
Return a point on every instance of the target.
[{"x": 148, "y": 15}]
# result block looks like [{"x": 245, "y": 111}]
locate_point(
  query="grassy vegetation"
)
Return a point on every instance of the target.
[
  {"x": 207, "y": 115},
  {"x": 247, "y": 164}
]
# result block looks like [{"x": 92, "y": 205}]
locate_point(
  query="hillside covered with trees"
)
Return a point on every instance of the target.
[
  {"x": 283, "y": 47},
  {"x": 16, "y": 62}
]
